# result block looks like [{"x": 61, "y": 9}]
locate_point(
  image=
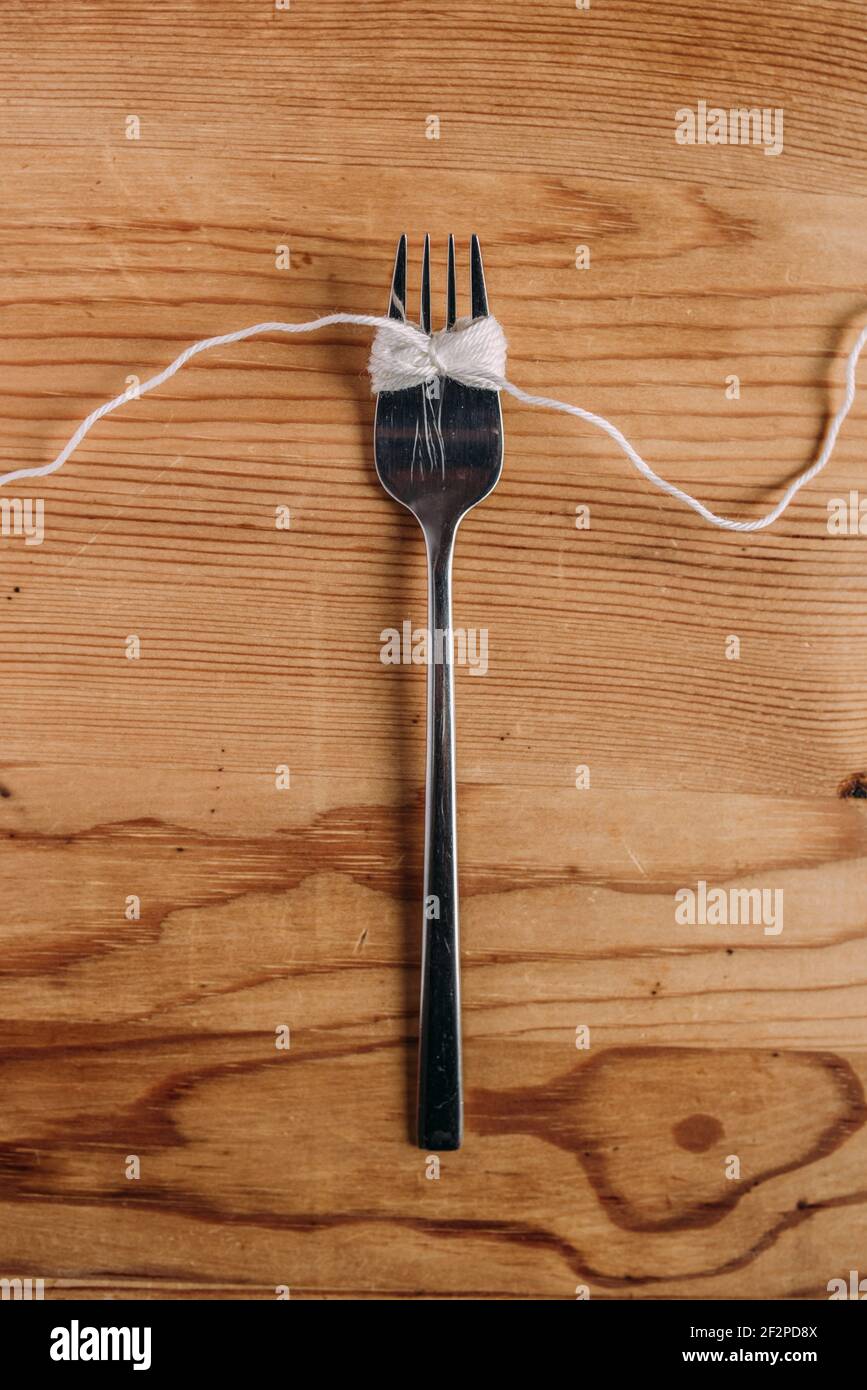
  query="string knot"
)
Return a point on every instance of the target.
[{"x": 403, "y": 355}]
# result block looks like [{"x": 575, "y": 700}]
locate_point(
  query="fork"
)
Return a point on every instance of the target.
[{"x": 439, "y": 452}]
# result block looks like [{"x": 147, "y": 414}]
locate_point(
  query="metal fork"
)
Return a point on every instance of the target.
[{"x": 439, "y": 451}]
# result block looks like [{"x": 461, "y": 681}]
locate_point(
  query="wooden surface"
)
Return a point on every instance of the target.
[{"x": 602, "y": 1168}]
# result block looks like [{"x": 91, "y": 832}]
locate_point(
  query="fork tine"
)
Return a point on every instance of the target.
[
  {"x": 425, "y": 287},
  {"x": 451, "y": 295},
  {"x": 397, "y": 299},
  {"x": 477, "y": 280}
]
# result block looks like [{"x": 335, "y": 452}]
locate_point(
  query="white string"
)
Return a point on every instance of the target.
[
  {"x": 224, "y": 339},
  {"x": 473, "y": 352},
  {"x": 726, "y": 523}
]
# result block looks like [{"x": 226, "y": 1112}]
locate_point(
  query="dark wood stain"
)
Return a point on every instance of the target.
[{"x": 697, "y": 1133}]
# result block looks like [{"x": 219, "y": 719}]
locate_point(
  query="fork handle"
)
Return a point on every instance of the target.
[{"x": 440, "y": 1098}]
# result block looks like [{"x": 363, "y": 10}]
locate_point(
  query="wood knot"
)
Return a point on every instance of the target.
[{"x": 855, "y": 785}]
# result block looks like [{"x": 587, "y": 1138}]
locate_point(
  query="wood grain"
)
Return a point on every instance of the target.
[{"x": 603, "y": 1168}]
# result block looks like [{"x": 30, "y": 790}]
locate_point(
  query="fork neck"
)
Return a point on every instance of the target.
[{"x": 439, "y": 540}]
